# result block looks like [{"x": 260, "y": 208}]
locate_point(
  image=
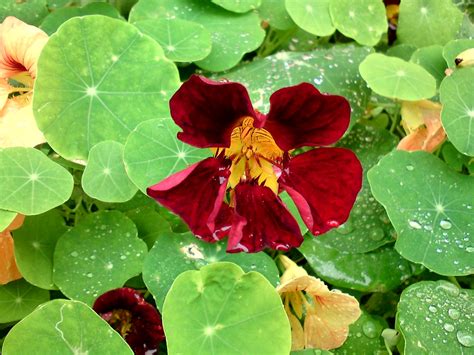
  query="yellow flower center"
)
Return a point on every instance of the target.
[{"x": 254, "y": 155}]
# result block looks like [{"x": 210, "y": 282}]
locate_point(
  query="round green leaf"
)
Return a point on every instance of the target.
[
  {"x": 105, "y": 177},
  {"x": 377, "y": 271},
  {"x": 34, "y": 247},
  {"x": 368, "y": 226},
  {"x": 6, "y": 218},
  {"x": 363, "y": 20},
  {"x": 334, "y": 71},
  {"x": 436, "y": 318},
  {"x": 402, "y": 51},
  {"x": 153, "y": 152},
  {"x": 311, "y": 15},
  {"x": 98, "y": 78},
  {"x": 395, "y": 78},
  {"x": 239, "y": 6},
  {"x": 430, "y": 207},
  {"x": 431, "y": 58},
  {"x": 457, "y": 115},
  {"x": 173, "y": 254},
  {"x": 274, "y": 12},
  {"x": 56, "y": 18},
  {"x": 30, "y": 183},
  {"x": 181, "y": 40},
  {"x": 220, "y": 310},
  {"x": 452, "y": 49},
  {"x": 97, "y": 255},
  {"x": 32, "y": 11},
  {"x": 426, "y": 22},
  {"x": 233, "y": 34},
  {"x": 64, "y": 327},
  {"x": 18, "y": 299}
]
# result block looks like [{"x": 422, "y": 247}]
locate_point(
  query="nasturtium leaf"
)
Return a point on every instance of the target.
[
  {"x": 153, "y": 152},
  {"x": 173, "y": 254},
  {"x": 239, "y": 6},
  {"x": 376, "y": 271},
  {"x": 453, "y": 48},
  {"x": 181, "y": 40},
  {"x": 368, "y": 226},
  {"x": 311, "y": 15},
  {"x": 402, "y": 51},
  {"x": 220, "y": 310},
  {"x": 56, "y": 18},
  {"x": 34, "y": 247},
  {"x": 467, "y": 28},
  {"x": 395, "y": 78},
  {"x": 233, "y": 34},
  {"x": 363, "y": 20},
  {"x": 333, "y": 71},
  {"x": 98, "y": 78},
  {"x": 30, "y": 183},
  {"x": 431, "y": 208},
  {"x": 32, "y": 11},
  {"x": 105, "y": 177},
  {"x": 18, "y": 299},
  {"x": 426, "y": 22},
  {"x": 431, "y": 58},
  {"x": 274, "y": 13},
  {"x": 64, "y": 327},
  {"x": 98, "y": 254},
  {"x": 456, "y": 160},
  {"x": 436, "y": 317},
  {"x": 364, "y": 336},
  {"x": 457, "y": 115},
  {"x": 6, "y": 217}
]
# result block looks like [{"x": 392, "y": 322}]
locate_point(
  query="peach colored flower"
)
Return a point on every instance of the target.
[
  {"x": 326, "y": 314},
  {"x": 20, "y": 47},
  {"x": 8, "y": 269}
]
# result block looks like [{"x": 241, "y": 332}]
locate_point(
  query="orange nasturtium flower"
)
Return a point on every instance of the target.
[
  {"x": 8, "y": 269},
  {"x": 20, "y": 47},
  {"x": 326, "y": 315}
]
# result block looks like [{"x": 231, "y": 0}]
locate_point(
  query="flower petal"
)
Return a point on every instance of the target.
[
  {"x": 301, "y": 116},
  {"x": 323, "y": 183},
  {"x": 196, "y": 194},
  {"x": 207, "y": 111},
  {"x": 261, "y": 220},
  {"x": 8, "y": 269}
]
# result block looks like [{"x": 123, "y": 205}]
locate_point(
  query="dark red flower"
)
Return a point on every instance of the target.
[
  {"x": 235, "y": 193},
  {"x": 137, "y": 321}
]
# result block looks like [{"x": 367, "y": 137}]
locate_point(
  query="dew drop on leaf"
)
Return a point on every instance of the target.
[
  {"x": 445, "y": 224},
  {"x": 432, "y": 309},
  {"x": 410, "y": 167},
  {"x": 465, "y": 338},
  {"x": 448, "y": 327},
  {"x": 414, "y": 224},
  {"x": 454, "y": 313},
  {"x": 370, "y": 329}
]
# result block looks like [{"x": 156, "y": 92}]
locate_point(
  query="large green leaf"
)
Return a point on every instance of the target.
[
  {"x": 173, "y": 254},
  {"x": 332, "y": 70},
  {"x": 30, "y": 183},
  {"x": 426, "y": 22},
  {"x": 221, "y": 310},
  {"x": 98, "y": 78},
  {"x": 311, "y": 15},
  {"x": 436, "y": 318},
  {"x": 32, "y": 11},
  {"x": 233, "y": 34},
  {"x": 457, "y": 115},
  {"x": 430, "y": 207},
  {"x": 64, "y": 327},
  {"x": 431, "y": 58},
  {"x": 395, "y": 78},
  {"x": 99, "y": 254}
]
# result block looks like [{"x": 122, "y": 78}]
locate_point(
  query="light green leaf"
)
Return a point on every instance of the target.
[
  {"x": 363, "y": 20},
  {"x": 221, "y": 310},
  {"x": 452, "y": 49},
  {"x": 32, "y": 11},
  {"x": 173, "y": 254},
  {"x": 311, "y": 15},
  {"x": 435, "y": 318},
  {"x": 457, "y": 114},
  {"x": 64, "y": 327},
  {"x": 18, "y": 299},
  {"x": 30, "y": 183},
  {"x": 98, "y": 78},
  {"x": 274, "y": 12},
  {"x": 395, "y": 78},
  {"x": 431, "y": 58},
  {"x": 153, "y": 152},
  {"x": 97, "y": 255},
  {"x": 34, "y": 247},
  {"x": 6, "y": 217},
  {"x": 239, "y": 6},
  {"x": 430, "y": 207},
  {"x": 104, "y": 177},
  {"x": 402, "y": 51}
]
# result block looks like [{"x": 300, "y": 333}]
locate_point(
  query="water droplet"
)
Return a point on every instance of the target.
[
  {"x": 445, "y": 224},
  {"x": 410, "y": 167},
  {"x": 454, "y": 313},
  {"x": 470, "y": 249},
  {"x": 74, "y": 254},
  {"x": 123, "y": 257},
  {"x": 449, "y": 288},
  {"x": 432, "y": 309},
  {"x": 89, "y": 274},
  {"x": 377, "y": 234},
  {"x": 345, "y": 228},
  {"x": 465, "y": 338},
  {"x": 370, "y": 329},
  {"x": 448, "y": 327},
  {"x": 414, "y": 224}
]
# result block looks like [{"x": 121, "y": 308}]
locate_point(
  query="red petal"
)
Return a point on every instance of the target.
[
  {"x": 323, "y": 183},
  {"x": 207, "y": 111},
  {"x": 196, "y": 194},
  {"x": 261, "y": 220},
  {"x": 301, "y": 116}
]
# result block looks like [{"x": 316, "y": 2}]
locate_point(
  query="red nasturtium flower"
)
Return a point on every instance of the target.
[
  {"x": 253, "y": 161},
  {"x": 137, "y": 321}
]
